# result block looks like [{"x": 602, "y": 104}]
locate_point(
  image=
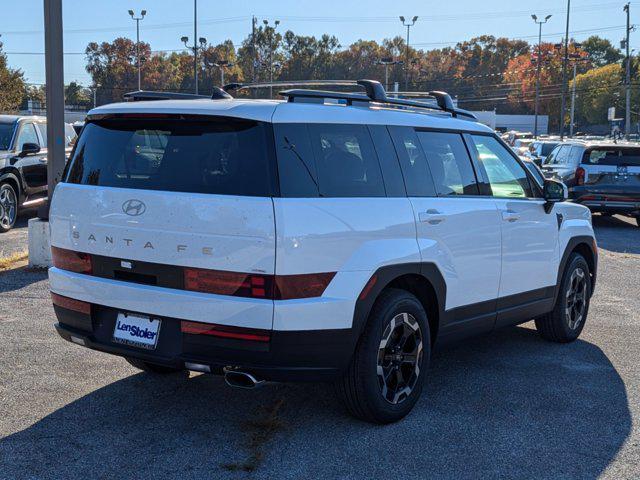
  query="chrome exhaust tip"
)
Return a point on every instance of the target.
[{"x": 237, "y": 379}]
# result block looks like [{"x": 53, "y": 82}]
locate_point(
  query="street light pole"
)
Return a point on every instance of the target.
[
  {"x": 195, "y": 44},
  {"x": 271, "y": 35},
  {"x": 406, "y": 64},
  {"x": 137, "y": 19},
  {"x": 203, "y": 42},
  {"x": 573, "y": 98},
  {"x": 627, "y": 118},
  {"x": 539, "y": 69},
  {"x": 565, "y": 62},
  {"x": 387, "y": 62}
]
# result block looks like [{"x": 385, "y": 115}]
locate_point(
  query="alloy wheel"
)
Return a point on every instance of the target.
[
  {"x": 576, "y": 299},
  {"x": 399, "y": 358},
  {"x": 8, "y": 206}
]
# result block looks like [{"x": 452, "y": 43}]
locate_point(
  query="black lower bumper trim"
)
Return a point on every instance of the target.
[{"x": 290, "y": 356}]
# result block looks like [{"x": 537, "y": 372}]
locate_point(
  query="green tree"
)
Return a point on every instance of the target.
[
  {"x": 601, "y": 51},
  {"x": 12, "y": 86},
  {"x": 76, "y": 94},
  {"x": 597, "y": 90}
]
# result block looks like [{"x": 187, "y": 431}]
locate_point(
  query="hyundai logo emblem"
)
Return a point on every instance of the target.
[{"x": 134, "y": 207}]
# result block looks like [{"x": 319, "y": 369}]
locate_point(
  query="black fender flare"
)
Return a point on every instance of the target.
[
  {"x": 571, "y": 245},
  {"x": 14, "y": 175},
  {"x": 385, "y": 276}
]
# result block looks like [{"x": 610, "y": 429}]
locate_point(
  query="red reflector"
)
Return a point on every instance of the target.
[
  {"x": 238, "y": 333},
  {"x": 367, "y": 288},
  {"x": 71, "y": 261},
  {"x": 580, "y": 174},
  {"x": 228, "y": 283},
  {"x": 71, "y": 304},
  {"x": 302, "y": 286}
]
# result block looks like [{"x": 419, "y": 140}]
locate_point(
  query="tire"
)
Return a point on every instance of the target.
[
  {"x": 362, "y": 387},
  {"x": 8, "y": 207},
  {"x": 152, "y": 367},
  {"x": 565, "y": 323}
]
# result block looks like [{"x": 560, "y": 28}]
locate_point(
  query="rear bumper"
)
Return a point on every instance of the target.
[
  {"x": 607, "y": 200},
  {"x": 319, "y": 355}
]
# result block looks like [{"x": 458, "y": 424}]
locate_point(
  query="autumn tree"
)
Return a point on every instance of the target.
[
  {"x": 601, "y": 51},
  {"x": 597, "y": 90},
  {"x": 12, "y": 86}
]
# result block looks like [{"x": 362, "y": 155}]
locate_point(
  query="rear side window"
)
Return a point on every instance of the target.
[
  {"x": 413, "y": 162},
  {"x": 327, "y": 160},
  {"x": 346, "y": 161},
  {"x": 613, "y": 156},
  {"x": 201, "y": 155},
  {"x": 449, "y": 163}
]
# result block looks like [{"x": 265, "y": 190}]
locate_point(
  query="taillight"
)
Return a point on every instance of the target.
[
  {"x": 306, "y": 285},
  {"x": 223, "y": 331},
  {"x": 71, "y": 261},
  {"x": 580, "y": 174},
  {"x": 71, "y": 304},
  {"x": 279, "y": 287},
  {"x": 228, "y": 283}
]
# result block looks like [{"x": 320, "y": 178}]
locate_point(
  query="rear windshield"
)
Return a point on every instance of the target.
[
  {"x": 547, "y": 148},
  {"x": 613, "y": 156},
  {"x": 203, "y": 155}
]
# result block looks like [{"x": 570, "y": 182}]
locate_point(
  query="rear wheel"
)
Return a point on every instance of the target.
[
  {"x": 385, "y": 377},
  {"x": 8, "y": 207},
  {"x": 151, "y": 367},
  {"x": 565, "y": 323}
]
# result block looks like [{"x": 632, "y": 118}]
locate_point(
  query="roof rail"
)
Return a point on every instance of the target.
[
  {"x": 231, "y": 87},
  {"x": 375, "y": 93},
  {"x": 142, "y": 95}
]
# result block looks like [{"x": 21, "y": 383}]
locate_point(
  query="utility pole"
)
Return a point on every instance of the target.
[
  {"x": 627, "y": 118},
  {"x": 539, "y": 69},
  {"x": 565, "y": 62},
  {"x": 406, "y": 63},
  {"x": 54, "y": 65},
  {"x": 137, "y": 19},
  {"x": 573, "y": 99},
  {"x": 195, "y": 45},
  {"x": 254, "y": 56},
  {"x": 271, "y": 35}
]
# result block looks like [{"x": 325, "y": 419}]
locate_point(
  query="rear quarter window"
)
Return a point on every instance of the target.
[{"x": 212, "y": 155}]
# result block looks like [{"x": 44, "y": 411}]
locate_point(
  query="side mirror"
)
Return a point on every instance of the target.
[
  {"x": 554, "y": 192},
  {"x": 29, "y": 149}
]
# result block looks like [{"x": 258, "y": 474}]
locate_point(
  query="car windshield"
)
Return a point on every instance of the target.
[
  {"x": 6, "y": 132},
  {"x": 613, "y": 156}
]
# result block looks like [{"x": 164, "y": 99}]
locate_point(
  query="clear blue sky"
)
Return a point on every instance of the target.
[{"x": 440, "y": 23}]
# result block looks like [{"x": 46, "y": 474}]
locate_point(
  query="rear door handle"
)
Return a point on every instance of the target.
[
  {"x": 432, "y": 217},
  {"x": 510, "y": 216}
]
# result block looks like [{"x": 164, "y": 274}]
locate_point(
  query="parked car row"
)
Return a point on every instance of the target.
[
  {"x": 23, "y": 164},
  {"x": 601, "y": 174}
]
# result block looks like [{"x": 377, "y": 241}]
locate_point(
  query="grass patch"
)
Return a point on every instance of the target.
[
  {"x": 258, "y": 432},
  {"x": 12, "y": 260}
]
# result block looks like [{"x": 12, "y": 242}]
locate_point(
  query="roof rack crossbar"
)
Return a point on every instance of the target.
[{"x": 375, "y": 93}]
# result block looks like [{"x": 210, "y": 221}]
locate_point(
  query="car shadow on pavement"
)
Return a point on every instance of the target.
[
  {"x": 617, "y": 234},
  {"x": 507, "y": 405},
  {"x": 18, "y": 278}
]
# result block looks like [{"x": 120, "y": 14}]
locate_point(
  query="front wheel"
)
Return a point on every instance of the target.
[
  {"x": 385, "y": 377},
  {"x": 8, "y": 207},
  {"x": 565, "y": 323}
]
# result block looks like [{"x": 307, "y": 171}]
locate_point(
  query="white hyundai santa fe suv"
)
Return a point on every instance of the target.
[{"x": 330, "y": 237}]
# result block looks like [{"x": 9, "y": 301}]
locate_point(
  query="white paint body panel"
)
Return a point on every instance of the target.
[
  {"x": 530, "y": 254},
  {"x": 465, "y": 245},
  {"x": 351, "y": 236}
]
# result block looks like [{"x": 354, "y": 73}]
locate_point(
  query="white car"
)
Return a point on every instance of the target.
[{"x": 307, "y": 240}]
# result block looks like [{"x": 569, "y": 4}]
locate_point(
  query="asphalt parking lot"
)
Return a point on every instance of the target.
[{"x": 506, "y": 405}]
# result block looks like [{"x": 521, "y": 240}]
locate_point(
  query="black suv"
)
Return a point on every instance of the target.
[{"x": 23, "y": 164}]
